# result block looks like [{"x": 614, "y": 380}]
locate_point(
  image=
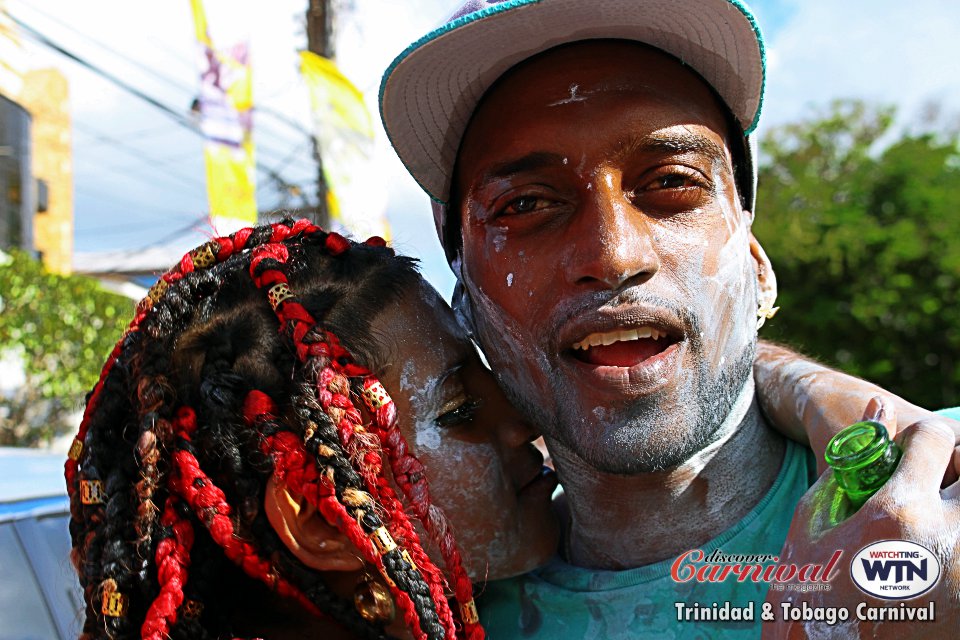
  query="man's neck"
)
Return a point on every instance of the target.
[{"x": 623, "y": 522}]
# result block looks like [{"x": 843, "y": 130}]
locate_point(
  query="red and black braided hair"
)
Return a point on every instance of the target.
[{"x": 233, "y": 372}]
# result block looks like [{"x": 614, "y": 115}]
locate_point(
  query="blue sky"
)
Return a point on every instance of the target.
[{"x": 139, "y": 178}]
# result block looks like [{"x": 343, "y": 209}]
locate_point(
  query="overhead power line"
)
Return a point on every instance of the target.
[
  {"x": 117, "y": 54},
  {"x": 179, "y": 118},
  {"x": 172, "y": 82}
]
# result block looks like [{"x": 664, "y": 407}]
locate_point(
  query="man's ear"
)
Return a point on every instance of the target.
[
  {"x": 766, "y": 282},
  {"x": 303, "y": 530}
]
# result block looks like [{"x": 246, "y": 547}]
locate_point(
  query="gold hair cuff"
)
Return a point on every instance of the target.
[
  {"x": 114, "y": 604},
  {"x": 383, "y": 541},
  {"x": 204, "y": 257},
  {"x": 278, "y": 293},
  {"x": 406, "y": 556},
  {"x": 468, "y": 611},
  {"x": 375, "y": 396},
  {"x": 157, "y": 290},
  {"x": 91, "y": 492},
  {"x": 75, "y": 450}
]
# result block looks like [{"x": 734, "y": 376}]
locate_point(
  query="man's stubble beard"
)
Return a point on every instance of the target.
[{"x": 650, "y": 437}]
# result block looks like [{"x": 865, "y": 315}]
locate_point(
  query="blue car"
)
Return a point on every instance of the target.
[{"x": 40, "y": 597}]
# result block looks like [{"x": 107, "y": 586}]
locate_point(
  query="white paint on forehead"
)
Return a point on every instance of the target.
[
  {"x": 570, "y": 99},
  {"x": 510, "y": 279}
]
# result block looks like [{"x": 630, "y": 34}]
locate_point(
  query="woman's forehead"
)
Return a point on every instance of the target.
[{"x": 420, "y": 328}]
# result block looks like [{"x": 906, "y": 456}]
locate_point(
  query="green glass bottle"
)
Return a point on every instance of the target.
[{"x": 863, "y": 458}]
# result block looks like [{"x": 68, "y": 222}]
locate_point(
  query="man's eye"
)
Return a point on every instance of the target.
[
  {"x": 524, "y": 204},
  {"x": 462, "y": 414},
  {"x": 674, "y": 181},
  {"x": 673, "y": 189}
]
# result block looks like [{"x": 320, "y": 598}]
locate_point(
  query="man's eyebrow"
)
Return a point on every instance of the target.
[
  {"x": 673, "y": 143},
  {"x": 529, "y": 162}
]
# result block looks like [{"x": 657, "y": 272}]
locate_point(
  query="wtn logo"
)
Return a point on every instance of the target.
[
  {"x": 895, "y": 569},
  {"x": 903, "y": 569}
]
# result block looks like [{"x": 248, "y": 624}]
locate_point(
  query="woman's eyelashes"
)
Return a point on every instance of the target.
[{"x": 461, "y": 413}]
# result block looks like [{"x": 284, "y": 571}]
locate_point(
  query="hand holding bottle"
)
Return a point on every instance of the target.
[{"x": 910, "y": 506}]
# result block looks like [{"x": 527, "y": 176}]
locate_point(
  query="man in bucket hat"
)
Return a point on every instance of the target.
[{"x": 593, "y": 185}]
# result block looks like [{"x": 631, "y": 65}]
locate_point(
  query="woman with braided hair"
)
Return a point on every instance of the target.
[{"x": 277, "y": 442}]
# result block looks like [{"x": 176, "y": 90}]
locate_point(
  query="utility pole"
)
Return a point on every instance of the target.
[{"x": 320, "y": 41}]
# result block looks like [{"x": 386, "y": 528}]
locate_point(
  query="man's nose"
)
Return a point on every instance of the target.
[{"x": 611, "y": 240}]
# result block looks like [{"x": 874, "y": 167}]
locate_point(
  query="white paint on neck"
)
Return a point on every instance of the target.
[{"x": 726, "y": 430}]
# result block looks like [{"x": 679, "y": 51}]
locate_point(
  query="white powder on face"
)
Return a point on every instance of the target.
[
  {"x": 509, "y": 279},
  {"x": 406, "y": 374},
  {"x": 582, "y": 165},
  {"x": 570, "y": 99},
  {"x": 499, "y": 240},
  {"x": 428, "y": 435}
]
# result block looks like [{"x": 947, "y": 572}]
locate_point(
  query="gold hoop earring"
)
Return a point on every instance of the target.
[{"x": 373, "y": 600}]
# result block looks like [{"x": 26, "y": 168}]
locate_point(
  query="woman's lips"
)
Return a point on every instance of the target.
[{"x": 545, "y": 480}]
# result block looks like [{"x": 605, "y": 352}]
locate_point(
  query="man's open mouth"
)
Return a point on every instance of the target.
[{"x": 622, "y": 347}]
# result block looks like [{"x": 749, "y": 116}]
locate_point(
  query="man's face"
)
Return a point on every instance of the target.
[{"x": 605, "y": 253}]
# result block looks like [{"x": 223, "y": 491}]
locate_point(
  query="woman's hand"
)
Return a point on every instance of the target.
[{"x": 810, "y": 403}]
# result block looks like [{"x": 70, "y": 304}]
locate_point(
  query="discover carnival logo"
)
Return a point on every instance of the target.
[
  {"x": 895, "y": 569},
  {"x": 888, "y": 569}
]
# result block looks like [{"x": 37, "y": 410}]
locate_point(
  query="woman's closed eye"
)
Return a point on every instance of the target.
[{"x": 462, "y": 413}]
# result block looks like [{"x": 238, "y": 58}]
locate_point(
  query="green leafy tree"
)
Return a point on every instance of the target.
[
  {"x": 862, "y": 225},
  {"x": 61, "y": 328}
]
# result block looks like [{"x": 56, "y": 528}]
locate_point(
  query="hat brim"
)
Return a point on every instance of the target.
[{"x": 431, "y": 90}]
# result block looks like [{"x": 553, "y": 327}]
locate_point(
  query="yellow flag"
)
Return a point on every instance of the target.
[
  {"x": 334, "y": 96},
  {"x": 226, "y": 119},
  {"x": 344, "y": 131}
]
